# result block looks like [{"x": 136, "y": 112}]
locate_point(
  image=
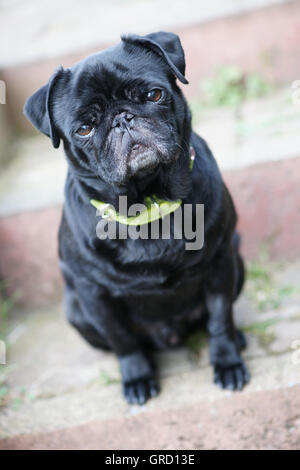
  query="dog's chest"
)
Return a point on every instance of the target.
[
  {"x": 153, "y": 252},
  {"x": 158, "y": 267}
]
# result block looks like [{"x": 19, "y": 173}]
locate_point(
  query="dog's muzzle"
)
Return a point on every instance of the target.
[{"x": 142, "y": 159}]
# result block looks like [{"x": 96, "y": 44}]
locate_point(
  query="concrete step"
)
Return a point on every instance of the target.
[
  {"x": 34, "y": 178},
  {"x": 63, "y": 394}
]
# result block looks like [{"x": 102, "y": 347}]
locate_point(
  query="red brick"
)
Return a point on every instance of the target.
[
  {"x": 28, "y": 256},
  {"x": 267, "y": 198}
]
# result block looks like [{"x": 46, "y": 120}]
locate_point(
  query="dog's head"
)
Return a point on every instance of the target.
[{"x": 119, "y": 112}]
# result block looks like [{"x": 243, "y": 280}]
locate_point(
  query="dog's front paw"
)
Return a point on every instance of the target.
[
  {"x": 231, "y": 378},
  {"x": 139, "y": 391},
  {"x": 137, "y": 378}
]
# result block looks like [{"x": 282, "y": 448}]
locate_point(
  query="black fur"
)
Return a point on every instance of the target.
[{"x": 133, "y": 295}]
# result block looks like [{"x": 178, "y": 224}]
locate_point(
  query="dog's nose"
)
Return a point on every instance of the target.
[{"x": 121, "y": 120}]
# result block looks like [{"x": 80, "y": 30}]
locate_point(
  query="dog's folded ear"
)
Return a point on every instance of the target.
[
  {"x": 166, "y": 45},
  {"x": 38, "y": 108}
]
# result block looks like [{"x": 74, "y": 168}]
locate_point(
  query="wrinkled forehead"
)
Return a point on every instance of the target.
[{"x": 119, "y": 67}]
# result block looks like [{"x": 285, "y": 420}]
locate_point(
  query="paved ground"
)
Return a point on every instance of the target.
[{"x": 63, "y": 394}]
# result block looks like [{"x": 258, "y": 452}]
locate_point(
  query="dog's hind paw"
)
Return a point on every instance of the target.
[
  {"x": 139, "y": 391},
  {"x": 231, "y": 378}
]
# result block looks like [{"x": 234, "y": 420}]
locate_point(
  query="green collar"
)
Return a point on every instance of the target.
[{"x": 155, "y": 208}]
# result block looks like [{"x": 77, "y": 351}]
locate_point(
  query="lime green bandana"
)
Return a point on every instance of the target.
[{"x": 155, "y": 208}]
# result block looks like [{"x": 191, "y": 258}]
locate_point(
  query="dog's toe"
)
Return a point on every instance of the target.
[
  {"x": 139, "y": 391},
  {"x": 231, "y": 378}
]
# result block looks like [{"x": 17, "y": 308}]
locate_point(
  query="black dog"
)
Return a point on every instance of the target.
[{"x": 126, "y": 130}]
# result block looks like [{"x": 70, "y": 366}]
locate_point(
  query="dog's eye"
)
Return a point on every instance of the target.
[
  {"x": 154, "y": 95},
  {"x": 84, "y": 130}
]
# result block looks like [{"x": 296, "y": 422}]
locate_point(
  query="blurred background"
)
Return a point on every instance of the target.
[{"x": 243, "y": 67}]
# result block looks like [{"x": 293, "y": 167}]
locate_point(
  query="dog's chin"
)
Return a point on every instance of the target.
[{"x": 142, "y": 161}]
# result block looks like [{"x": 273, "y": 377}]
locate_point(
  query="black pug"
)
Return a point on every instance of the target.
[{"x": 126, "y": 130}]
